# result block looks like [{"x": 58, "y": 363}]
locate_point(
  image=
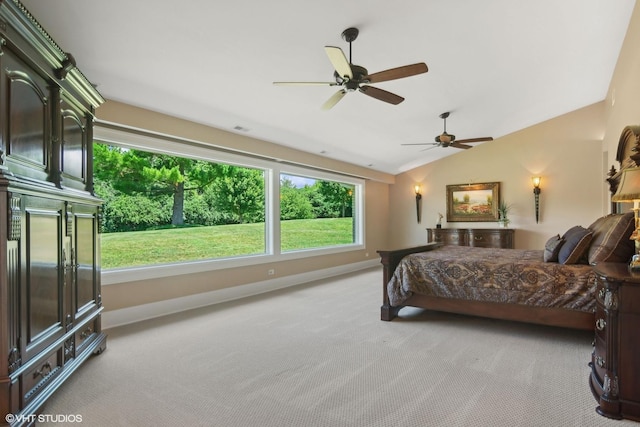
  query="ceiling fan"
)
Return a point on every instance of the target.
[
  {"x": 352, "y": 77},
  {"x": 448, "y": 140}
]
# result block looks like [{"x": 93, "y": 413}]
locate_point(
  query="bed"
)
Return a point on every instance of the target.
[{"x": 553, "y": 285}]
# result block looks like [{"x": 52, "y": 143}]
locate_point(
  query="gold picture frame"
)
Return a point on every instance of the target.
[{"x": 473, "y": 202}]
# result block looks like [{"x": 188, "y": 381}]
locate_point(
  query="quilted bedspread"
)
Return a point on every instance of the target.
[{"x": 516, "y": 276}]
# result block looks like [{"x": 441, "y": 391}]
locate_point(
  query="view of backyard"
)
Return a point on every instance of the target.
[
  {"x": 163, "y": 209},
  {"x": 136, "y": 248}
]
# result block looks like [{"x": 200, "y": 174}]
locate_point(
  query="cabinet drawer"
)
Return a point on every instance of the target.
[
  {"x": 598, "y": 358},
  {"x": 484, "y": 239},
  {"x": 449, "y": 237},
  {"x": 596, "y": 385},
  {"x": 85, "y": 334},
  {"x": 42, "y": 373},
  {"x": 600, "y": 325}
]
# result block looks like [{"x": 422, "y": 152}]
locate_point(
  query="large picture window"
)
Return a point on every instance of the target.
[
  {"x": 162, "y": 209},
  {"x": 165, "y": 208}
]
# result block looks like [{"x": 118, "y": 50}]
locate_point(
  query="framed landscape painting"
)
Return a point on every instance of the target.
[{"x": 473, "y": 202}]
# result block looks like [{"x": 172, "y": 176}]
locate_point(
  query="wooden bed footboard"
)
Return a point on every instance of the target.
[{"x": 389, "y": 261}]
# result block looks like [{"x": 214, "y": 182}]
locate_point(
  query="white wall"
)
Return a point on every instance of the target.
[{"x": 623, "y": 98}]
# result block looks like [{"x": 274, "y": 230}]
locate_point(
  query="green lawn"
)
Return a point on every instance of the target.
[{"x": 165, "y": 246}]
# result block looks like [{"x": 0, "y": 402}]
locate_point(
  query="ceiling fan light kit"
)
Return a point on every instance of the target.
[{"x": 351, "y": 77}]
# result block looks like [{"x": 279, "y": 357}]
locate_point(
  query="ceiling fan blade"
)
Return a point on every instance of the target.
[
  {"x": 469, "y": 141},
  {"x": 397, "y": 73},
  {"x": 458, "y": 145},
  {"x": 335, "y": 98},
  {"x": 339, "y": 61},
  {"x": 381, "y": 95},
  {"x": 422, "y": 143},
  {"x": 429, "y": 148},
  {"x": 305, "y": 83}
]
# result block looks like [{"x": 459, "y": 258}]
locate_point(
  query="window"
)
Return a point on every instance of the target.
[
  {"x": 315, "y": 213},
  {"x": 209, "y": 206},
  {"x": 163, "y": 209}
]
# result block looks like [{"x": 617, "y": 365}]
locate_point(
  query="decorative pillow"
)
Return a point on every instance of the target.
[
  {"x": 611, "y": 238},
  {"x": 575, "y": 246},
  {"x": 552, "y": 248}
]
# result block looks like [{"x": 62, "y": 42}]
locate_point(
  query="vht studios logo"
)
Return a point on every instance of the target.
[{"x": 43, "y": 418}]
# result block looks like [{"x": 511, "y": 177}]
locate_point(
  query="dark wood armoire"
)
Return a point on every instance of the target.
[{"x": 50, "y": 298}]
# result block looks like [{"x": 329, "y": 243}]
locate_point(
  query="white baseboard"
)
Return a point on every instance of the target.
[{"x": 124, "y": 316}]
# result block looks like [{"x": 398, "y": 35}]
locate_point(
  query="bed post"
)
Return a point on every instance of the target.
[{"x": 389, "y": 261}]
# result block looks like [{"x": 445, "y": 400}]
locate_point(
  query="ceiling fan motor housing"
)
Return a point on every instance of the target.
[
  {"x": 358, "y": 72},
  {"x": 445, "y": 138}
]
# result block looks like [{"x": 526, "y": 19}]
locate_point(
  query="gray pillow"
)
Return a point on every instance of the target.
[
  {"x": 576, "y": 245},
  {"x": 552, "y": 248}
]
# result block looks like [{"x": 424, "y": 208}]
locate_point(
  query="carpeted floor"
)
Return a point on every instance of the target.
[{"x": 318, "y": 355}]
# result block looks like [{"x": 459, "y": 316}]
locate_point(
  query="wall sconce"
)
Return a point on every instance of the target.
[
  {"x": 418, "y": 199},
  {"x": 536, "y": 195}
]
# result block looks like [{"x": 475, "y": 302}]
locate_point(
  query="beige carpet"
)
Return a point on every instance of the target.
[{"x": 318, "y": 355}]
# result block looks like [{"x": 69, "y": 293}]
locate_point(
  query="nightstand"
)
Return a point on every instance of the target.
[{"x": 615, "y": 361}]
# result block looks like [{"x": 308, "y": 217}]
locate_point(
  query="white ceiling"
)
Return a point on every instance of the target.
[{"x": 498, "y": 65}]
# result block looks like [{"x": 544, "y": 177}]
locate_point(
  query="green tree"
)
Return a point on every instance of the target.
[
  {"x": 294, "y": 204},
  {"x": 135, "y": 172},
  {"x": 337, "y": 198},
  {"x": 239, "y": 192}
]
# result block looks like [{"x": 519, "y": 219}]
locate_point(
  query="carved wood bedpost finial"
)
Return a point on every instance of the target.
[{"x": 612, "y": 180}]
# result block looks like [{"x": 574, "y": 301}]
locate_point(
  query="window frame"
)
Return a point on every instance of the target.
[{"x": 127, "y": 137}]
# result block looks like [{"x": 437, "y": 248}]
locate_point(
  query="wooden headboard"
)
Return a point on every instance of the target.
[{"x": 628, "y": 156}]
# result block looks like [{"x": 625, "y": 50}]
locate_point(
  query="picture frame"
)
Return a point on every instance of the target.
[{"x": 473, "y": 202}]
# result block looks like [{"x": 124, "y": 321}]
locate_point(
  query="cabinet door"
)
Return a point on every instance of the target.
[
  {"x": 41, "y": 276},
  {"x": 629, "y": 342},
  {"x": 85, "y": 259},
  {"x": 26, "y": 132},
  {"x": 74, "y": 145}
]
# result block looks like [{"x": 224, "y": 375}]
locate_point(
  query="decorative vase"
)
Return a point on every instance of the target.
[{"x": 503, "y": 223}]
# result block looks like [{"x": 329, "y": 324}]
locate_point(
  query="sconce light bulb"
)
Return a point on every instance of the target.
[
  {"x": 417, "y": 188},
  {"x": 536, "y": 181}
]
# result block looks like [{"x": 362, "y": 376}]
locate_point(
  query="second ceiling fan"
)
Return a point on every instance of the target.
[
  {"x": 448, "y": 140},
  {"x": 354, "y": 77}
]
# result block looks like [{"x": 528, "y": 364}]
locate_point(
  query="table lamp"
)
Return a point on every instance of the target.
[{"x": 629, "y": 191}]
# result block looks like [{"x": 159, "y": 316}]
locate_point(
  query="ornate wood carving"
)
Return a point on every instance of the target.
[
  {"x": 15, "y": 217},
  {"x": 628, "y": 156}
]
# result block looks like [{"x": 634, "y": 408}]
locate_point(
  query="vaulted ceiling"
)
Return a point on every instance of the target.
[{"x": 498, "y": 66}]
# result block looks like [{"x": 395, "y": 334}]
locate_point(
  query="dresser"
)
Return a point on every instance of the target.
[
  {"x": 478, "y": 237},
  {"x": 615, "y": 361},
  {"x": 50, "y": 295}
]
